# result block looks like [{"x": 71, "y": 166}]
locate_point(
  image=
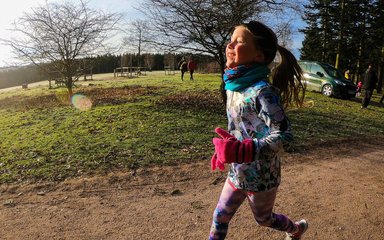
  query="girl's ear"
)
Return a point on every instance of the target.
[{"x": 259, "y": 57}]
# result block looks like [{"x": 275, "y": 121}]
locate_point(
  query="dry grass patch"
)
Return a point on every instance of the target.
[
  {"x": 98, "y": 96},
  {"x": 199, "y": 101}
]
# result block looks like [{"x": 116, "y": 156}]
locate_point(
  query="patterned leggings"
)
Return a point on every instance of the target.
[{"x": 261, "y": 204}]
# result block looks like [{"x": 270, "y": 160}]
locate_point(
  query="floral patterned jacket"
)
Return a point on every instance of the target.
[{"x": 256, "y": 112}]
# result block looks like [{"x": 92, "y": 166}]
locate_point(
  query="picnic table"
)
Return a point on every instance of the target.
[
  {"x": 169, "y": 70},
  {"x": 129, "y": 71},
  {"x": 57, "y": 79}
]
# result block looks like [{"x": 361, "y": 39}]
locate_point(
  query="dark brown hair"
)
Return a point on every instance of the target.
[{"x": 287, "y": 75}]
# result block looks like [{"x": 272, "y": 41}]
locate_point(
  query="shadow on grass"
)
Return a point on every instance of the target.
[
  {"x": 371, "y": 103},
  {"x": 316, "y": 129}
]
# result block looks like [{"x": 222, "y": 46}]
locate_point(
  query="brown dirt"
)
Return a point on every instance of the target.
[{"x": 339, "y": 189}]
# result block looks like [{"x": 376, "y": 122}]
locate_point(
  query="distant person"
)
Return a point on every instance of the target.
[
  {"x": 358, "y": 89},
  {"x": 369, "y": 84},
  {"x": 258, "y": 129},
  {"x": 191, "y": 67},
  {"x": 347, "y": 75},
  {"x": 183, "y": 67}
]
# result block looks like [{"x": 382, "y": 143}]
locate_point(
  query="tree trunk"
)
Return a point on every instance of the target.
[
  {"x": 339, "y": 44},
  {"x": 223, "y": 93},
  {"x": 380, "y": 72},
  {"x": 69, "y": 85}
]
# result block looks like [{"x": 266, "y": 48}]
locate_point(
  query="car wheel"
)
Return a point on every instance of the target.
[{"x": 327, "y": 90}]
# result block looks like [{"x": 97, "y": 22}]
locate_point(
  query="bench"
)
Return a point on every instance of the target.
[
  {"x": 169, "y": 70},
  {"x": 129, "y": 71},
  {"x": 57, "y": 81}
]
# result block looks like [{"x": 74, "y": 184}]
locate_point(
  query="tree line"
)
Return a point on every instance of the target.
[{"x": 347, "y": 34}]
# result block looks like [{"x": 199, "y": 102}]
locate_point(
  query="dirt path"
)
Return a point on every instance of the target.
[{"x": 339, "y": 190}]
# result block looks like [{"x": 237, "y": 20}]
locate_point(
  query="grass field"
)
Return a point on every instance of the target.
[{"x": 151, "y": 120}]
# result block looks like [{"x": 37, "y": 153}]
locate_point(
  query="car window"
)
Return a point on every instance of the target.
[
  {"x": 333, "y": 72},
  {"x": 304, "y": 67},
  {"x": 315, "y": 68}
]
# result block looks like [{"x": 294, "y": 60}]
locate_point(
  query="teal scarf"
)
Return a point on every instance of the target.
[{"x": 243, "y": 76}]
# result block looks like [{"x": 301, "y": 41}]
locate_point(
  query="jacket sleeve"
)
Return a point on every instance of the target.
[{"x": 270, "y": 110}]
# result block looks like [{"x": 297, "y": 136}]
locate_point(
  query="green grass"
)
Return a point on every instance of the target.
[{"x": 151, "y": 120}]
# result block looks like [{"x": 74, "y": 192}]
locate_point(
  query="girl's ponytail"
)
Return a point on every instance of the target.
[{"x": 287, "y": 77}]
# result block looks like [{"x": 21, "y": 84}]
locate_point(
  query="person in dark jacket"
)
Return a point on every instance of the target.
[
  {"x": 370, "y": 80},
  {"x": 183, "y": 67}
]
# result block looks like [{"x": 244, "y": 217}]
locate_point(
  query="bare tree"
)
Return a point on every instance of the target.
[
  {"x": 137, "y": 37},
  {"x": 55, "y": 36},
  {"x": 170, "y": 60},
  {"x": 203, "y": 26},
  {"x": 284, "y": 33},
  {"x": 149, "y": 61}
]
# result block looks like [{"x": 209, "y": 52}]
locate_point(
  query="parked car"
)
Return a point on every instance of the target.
[{"x": 324, "y": 78}]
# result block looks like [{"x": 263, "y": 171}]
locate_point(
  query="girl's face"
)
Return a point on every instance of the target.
[{"x": 241, "y": 49}]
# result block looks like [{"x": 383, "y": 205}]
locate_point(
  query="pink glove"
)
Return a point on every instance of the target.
[
  {"x": 215, "y": 163},
  {"x": 231, "y": 150},
  {"x": 224, "y": 134}
]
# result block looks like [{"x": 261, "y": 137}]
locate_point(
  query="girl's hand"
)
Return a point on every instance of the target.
[{"x": 230, "y": 150}]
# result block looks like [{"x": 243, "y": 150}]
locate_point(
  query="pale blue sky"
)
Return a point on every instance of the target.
[{"x": 14, "y": 9}]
